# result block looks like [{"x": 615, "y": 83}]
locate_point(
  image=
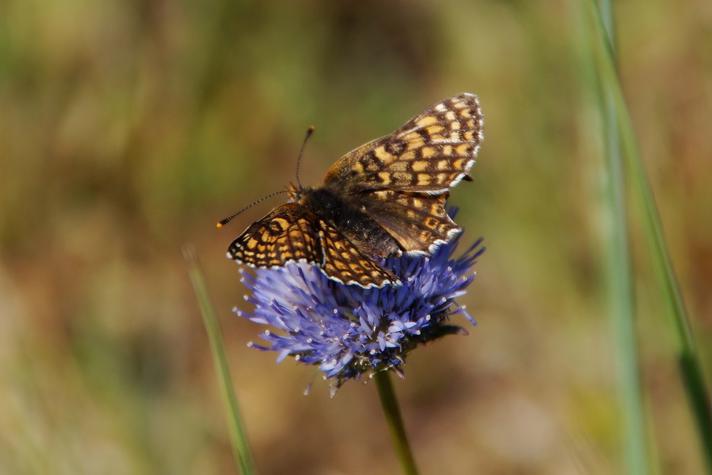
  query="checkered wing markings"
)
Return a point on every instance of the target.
[
  {"x": 286, "y": 234},
  {"x": 430, "y": 153},
  {"x": 417, "y": 221},
  {"x": 344, "y": 262}
]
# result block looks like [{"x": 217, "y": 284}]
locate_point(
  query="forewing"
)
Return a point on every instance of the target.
[
  {"x": 419, "y": 222},
  {"x": 286, "y": 234},
  {"x": 343, "y": 262},
  {"x": 430, "y": 153}
]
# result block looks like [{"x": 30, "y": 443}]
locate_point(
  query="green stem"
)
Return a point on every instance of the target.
[
  {"x": 238, "y": 434},
  {"x": 621, "y": 274},
  {"x": 395, "y": 422},
  {"x": 688, "y": 357}
]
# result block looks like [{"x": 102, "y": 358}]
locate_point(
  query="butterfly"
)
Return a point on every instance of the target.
[{"x": 384, "y": 198}]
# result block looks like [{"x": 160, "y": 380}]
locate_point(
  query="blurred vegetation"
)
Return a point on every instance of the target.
[{"x": 129, "y": 127}]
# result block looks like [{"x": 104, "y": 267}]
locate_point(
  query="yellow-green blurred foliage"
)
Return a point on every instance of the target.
[{"x": 127, "y": 127}]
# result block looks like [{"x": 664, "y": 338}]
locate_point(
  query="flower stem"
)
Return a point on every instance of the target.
[{"x": 395, "y": 422}]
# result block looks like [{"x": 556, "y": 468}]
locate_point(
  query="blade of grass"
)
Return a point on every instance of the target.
[
  {"x": 238, "y": 434},
  {"x": 620, "y": 275},
  {"x": 688, "y": 356}
]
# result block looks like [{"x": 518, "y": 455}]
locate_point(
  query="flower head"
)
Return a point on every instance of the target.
[{"x": 347, "y": 330}]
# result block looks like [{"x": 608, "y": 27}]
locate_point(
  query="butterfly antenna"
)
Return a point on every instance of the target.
[
  {"x": 224, "y": 221},
  {"x": 309, "y": 133}
]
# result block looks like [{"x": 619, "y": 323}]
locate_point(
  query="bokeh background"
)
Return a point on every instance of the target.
[{"x": 127, "y": 127}]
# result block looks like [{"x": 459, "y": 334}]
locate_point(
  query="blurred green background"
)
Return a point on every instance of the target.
[{"x": 127, "y": 127}]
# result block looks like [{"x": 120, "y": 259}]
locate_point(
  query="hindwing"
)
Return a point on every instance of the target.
[
  {"x": 292, "y": 232},
  {"x": 418, "y": 222},
  {"x": 344, "y": 262}
]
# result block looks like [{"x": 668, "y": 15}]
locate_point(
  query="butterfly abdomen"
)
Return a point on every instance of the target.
[{"x": 353, "y": 223}]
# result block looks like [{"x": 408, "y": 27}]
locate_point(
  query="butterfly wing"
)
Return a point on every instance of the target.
[
  {"x": 402, "y": 180},
  {"x": 343, "y": 261},
  {"x": 430, "y": 153},
  {"x": 417, "y": 221},
  {"x": 292, "y": 232},
  {"x": 285, "y": 234}
]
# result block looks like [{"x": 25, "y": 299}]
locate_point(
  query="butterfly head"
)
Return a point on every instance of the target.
[{"x": 296, "y": 193}]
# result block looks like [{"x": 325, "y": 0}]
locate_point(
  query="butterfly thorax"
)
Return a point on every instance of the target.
[{"x": 350, "y": 220}]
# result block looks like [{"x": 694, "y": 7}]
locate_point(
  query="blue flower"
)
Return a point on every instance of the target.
[{"x": 347, "y": 330}]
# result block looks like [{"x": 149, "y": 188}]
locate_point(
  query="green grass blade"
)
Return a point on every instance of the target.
[
  {"x": 688, "y": 357},
  {"x": 620, "y": 275},
  {"x": 238, "y": 434}
]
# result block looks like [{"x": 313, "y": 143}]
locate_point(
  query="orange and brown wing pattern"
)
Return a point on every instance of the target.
[
  {"x": 419, "y": 222},
  {"x": 293, "y": 233},
  {"x": 286, "y": 234},
  {"x": 345, "y": 263},
  {"x": 430, "y": 153}
]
